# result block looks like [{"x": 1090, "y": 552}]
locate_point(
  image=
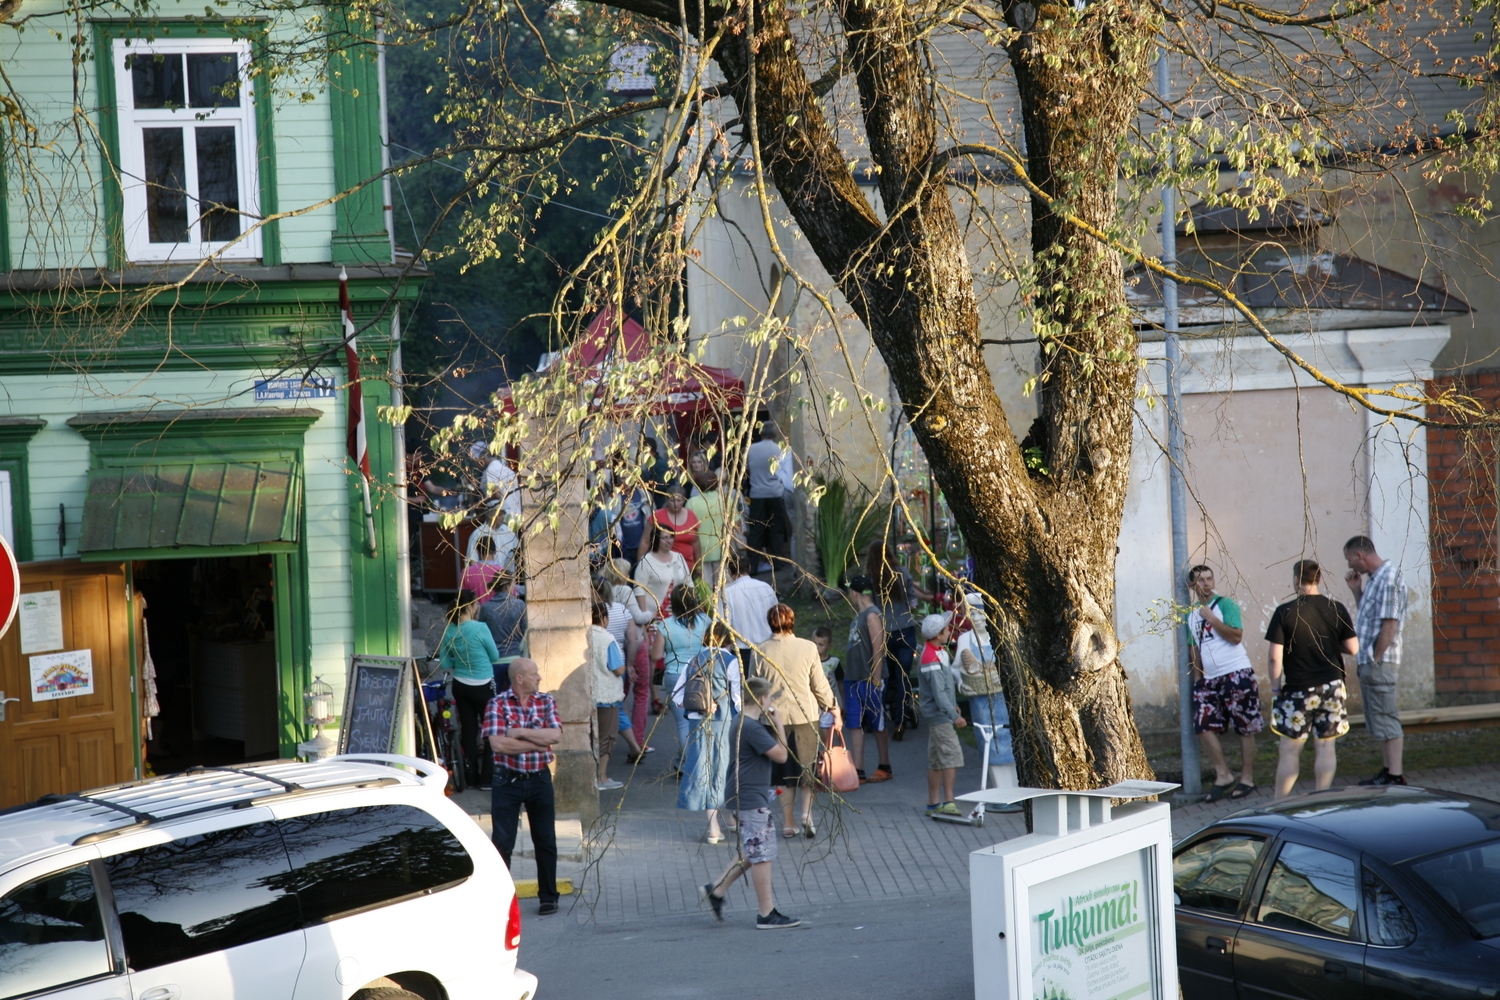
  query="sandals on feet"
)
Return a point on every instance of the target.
[
  {"x": 1220, "y": 792},
  {"x": 1241, "y": 791}
]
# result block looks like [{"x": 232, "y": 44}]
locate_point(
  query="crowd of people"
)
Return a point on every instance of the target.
[
  {"x": 682, "y": 628},
  {"x": 1307, "y": 640},
  {"x": 755, "y": 706}
]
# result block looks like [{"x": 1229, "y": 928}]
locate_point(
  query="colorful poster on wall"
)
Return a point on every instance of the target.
[
  {"x": 41, "y": 621},
  {"x": 62, "y": 675},
  {"x": 1092, "y": 932}
]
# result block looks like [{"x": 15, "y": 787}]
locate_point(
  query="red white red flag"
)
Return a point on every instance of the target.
[{"x": 359, "y": 452}]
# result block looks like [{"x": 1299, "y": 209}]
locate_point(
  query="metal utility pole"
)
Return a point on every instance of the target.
[{"x": 1191, "y": 766}]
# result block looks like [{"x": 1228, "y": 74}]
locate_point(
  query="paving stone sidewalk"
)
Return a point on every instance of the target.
[{"x": 647, "y": 859}]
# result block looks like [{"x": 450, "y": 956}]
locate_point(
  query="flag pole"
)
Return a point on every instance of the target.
[{"x": 358, "y": 448}]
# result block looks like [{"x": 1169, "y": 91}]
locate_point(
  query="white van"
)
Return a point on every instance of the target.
[{"x": 348, "y": 878}]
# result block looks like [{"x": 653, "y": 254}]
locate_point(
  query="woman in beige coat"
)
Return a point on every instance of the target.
[{"x": 800, "y": 693}]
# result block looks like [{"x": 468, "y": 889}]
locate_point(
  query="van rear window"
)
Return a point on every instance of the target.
[{"x": 353, "y": 859}]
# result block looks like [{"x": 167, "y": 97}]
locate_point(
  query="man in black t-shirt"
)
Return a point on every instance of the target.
[{"x": 1309, "y": 636}]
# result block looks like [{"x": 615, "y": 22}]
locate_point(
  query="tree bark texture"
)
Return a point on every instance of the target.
[{"x": 1044, "y": 542}]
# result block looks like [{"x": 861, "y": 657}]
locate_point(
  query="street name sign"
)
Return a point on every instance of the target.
[{"x": 1081, "y": 908}]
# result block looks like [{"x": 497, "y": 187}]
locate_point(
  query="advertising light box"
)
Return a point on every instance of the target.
[{"x": 1081, "y": 909}]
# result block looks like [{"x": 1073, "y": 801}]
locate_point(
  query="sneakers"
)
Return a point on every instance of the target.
[
  {"x": 1387, "y": 778},
  {"x": 715, "y": 903},
  {"x": 608, "y": 786},
  {"x": 546, "y": 909},
  {"x": 882, "y": 773},
  {"x": 775, "y": 921},
  {"x": 1379, "y": 779}
]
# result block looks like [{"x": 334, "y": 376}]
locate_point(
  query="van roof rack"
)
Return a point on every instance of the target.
[{"x": 246, "y": 786}]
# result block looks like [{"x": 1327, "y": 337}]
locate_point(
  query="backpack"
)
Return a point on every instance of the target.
[{"x": 705, "y": 683}]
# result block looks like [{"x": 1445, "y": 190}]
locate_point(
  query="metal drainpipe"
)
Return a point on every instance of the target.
[{"x": 385, "y": 142}]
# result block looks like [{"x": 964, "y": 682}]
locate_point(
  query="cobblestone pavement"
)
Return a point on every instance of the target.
[
  {"x": 647, "y": 859},
  {"x": 882, "y": 892}
]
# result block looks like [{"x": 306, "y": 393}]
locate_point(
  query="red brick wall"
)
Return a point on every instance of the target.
[{"x": 1462, "y": 477}]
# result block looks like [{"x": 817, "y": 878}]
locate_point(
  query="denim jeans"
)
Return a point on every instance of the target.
[
  {"x": 990, "y": 710},
  {"x": 900, "y": 697},
  {"x": 679, "y": 717},
  {"x": 509, "y": 791}
]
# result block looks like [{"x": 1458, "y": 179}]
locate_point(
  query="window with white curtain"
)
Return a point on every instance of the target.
[{"x": 187, "y": 149}]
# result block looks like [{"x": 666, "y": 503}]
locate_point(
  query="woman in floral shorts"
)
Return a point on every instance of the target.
[{"x": 1309, "y": 636}]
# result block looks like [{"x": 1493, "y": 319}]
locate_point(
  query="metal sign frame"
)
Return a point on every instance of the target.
[{"x": 1076, "y": 831}]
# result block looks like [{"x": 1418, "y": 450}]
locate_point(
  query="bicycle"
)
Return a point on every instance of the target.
[{"x": 443, "y": 712}]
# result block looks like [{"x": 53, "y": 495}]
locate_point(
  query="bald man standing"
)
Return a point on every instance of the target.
[{"x": 522, "y": 725}]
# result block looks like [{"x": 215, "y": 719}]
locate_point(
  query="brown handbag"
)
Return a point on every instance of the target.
[{"x": 836, "y": 765}]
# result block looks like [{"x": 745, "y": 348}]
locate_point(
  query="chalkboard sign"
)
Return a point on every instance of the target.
[{"x": 373, "y": 703}]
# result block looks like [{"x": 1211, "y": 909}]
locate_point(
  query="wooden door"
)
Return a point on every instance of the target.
[{"x": 76, "y": 743}]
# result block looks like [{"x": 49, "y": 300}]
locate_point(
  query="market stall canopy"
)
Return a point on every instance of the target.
[{"x": 680, "y": 386}]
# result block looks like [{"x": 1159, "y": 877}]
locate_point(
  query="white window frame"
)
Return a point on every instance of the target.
[{"x": 138, "y": 246}]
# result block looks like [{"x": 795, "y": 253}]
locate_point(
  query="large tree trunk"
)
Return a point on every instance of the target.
[{"x": 1044, "y": 543}]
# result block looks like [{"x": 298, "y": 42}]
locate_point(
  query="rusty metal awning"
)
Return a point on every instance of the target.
[{"x": 156, "y": 509}]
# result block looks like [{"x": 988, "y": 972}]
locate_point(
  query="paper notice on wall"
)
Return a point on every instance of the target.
[
  {"x": 62, "y": 675},
  {"x": 1093, "y": 933},
  {"x": 41, "y": 621}
]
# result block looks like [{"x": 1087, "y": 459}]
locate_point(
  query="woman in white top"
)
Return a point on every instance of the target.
[{"x": 657, "y": 573}]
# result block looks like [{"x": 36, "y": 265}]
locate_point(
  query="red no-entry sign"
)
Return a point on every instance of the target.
[{"x": 10, "y": 586}]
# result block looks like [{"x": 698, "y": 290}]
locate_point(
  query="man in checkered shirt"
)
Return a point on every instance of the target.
[
  {"x": 1382, "y": 607},
  {"x": 522, "y": 725}
]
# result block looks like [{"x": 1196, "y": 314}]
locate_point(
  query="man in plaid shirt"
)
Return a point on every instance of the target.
[
  {"x": 522, "y": 725},
  {"x": 1382, "y": 606}
]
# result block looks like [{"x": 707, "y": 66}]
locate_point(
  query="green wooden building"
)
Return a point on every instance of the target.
[{"x": 173, "y": 464}]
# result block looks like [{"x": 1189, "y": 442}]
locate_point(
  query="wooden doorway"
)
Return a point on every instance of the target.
[{"x": 73, "y": 743}]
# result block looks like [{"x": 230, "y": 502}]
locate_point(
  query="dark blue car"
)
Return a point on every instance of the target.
[{"x": 1368, "y": 893}]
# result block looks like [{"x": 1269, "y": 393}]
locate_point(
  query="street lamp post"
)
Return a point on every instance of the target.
[{"x": 1191, "y": 766}]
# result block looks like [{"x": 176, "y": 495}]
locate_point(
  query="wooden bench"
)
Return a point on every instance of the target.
[{"x": 1453, "y": 717}]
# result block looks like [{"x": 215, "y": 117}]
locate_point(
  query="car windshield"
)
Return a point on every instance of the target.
[{"x": 1469, "y": 879}]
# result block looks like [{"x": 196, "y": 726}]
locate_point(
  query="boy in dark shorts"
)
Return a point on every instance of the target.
[
  {"x": 756, "y": 747},
  {"x": 1309, "y": 636}
]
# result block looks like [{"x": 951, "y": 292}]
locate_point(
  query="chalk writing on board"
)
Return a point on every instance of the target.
[{"x": 373, "y": 704}]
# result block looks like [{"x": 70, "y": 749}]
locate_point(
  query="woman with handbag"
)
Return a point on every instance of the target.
[
  {"x": 679, "y": 639},
  {"x": 800, "y": 692},
  {"x": 708, "y": 691}
]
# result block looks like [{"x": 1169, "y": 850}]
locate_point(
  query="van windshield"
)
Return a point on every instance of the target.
[{"x": 1469, "y": 880}]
